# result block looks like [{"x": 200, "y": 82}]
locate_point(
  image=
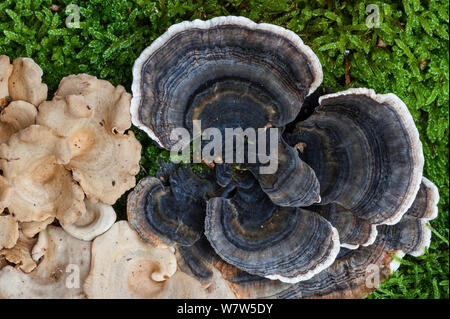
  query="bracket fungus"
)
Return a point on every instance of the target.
[
  {"x": 16, "y": 116},
  {"x": 9, "y": 231},
  {"x": 366, "y": 152},
  {"x": 353, "y": 230},
  {"x": 92, "y": 116},
  {"x": 285, "y": 243},
  {"x": 20, "y": 253},
  {"x": 21, "y": 91},
  {"x": 355, "y": 272},
  {"x": 52, "y": 154},
  {"x": 347, "y": 194},
  {"x": 253, "y": 75},
  {"x": 348, "y": 190},
  {"x": 172, "y": 213}
]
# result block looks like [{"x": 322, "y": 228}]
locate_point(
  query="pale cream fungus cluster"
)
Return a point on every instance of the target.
[{"x": 68, "y": 160}]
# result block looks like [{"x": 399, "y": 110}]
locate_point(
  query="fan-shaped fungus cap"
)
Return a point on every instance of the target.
[
  {"x": 249, "y": 74},
  {"x": 34, "y": 186},
  {"x": 104, "y": 160},
  {"x": 64, "y": 264},
  {"x": 353, "y": 230},
  {"x": 285, "y": 243},
  {"x": 366, "y": 153},
  {"x": 25, "y": 82},
  {"x": 21, "y": 81},
  {"x": 355, "y": 272},
  {"x": 110, "y": 105},
  {"x": 197, "y": 260},
  {"x": 123, "y": 266},
  {"x": 411, "y": 234},
  {"x": 98, "y": 219},
  {"x": 174, "y": 214}
]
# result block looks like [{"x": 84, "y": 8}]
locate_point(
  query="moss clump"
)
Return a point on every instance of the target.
[{"x": 407, "y": 55}]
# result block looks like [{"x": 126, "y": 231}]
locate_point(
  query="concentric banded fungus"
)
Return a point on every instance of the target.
[
  {"x": 98, "y": 219},
  {"x": 251, "y": 233},
  {"x": 21, "y": 81},
  {"x": 173, "y": 214},
  {"x": 353, "y": 230},
  {"x": 366, "y": 153},
  {"x": 251, "y": 74},
  {"x": 411, "y": 234},
  {"x": 294, "y": 184},
  {"x": 198, "y": 260},
  {"x": 228, "y": 72},
  {"x": 123, "y": 266},
  {"x": 34, "y": 184},
  {"x": 92, "y": 115},
  {"x": 352, "y": 275},
  {"x": 63, "y": 258}
]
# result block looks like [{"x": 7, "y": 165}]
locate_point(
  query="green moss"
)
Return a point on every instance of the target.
[{"x": 408, "y": 55}]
